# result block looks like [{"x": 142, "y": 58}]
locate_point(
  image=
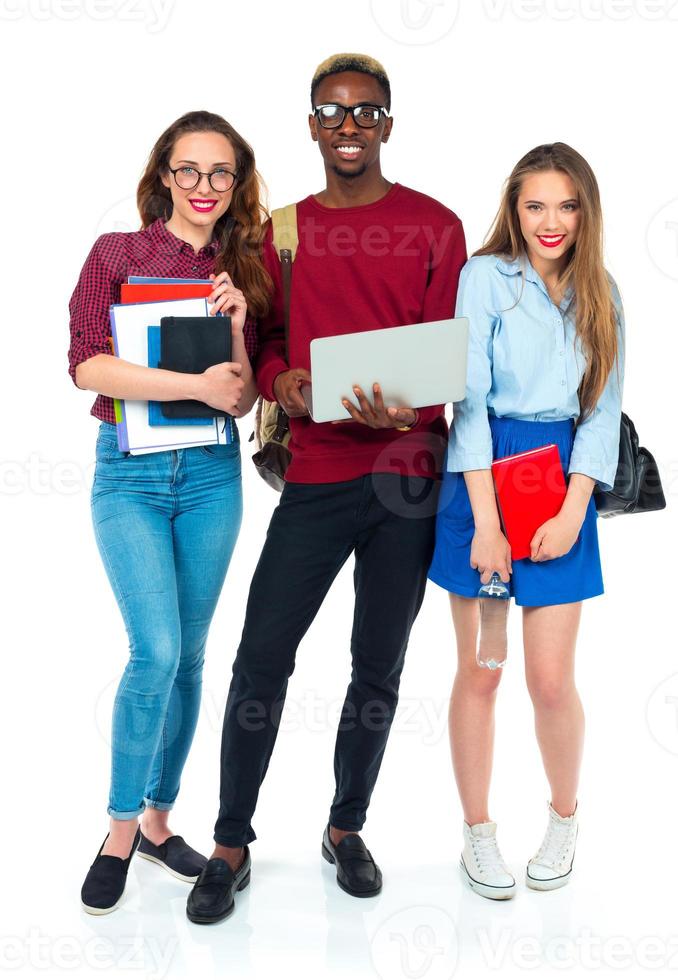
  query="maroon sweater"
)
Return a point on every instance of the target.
[{"x": 385, "y": 264}]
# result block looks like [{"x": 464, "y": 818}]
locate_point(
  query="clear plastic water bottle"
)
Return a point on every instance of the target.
[{"x": 494, "y": 601}]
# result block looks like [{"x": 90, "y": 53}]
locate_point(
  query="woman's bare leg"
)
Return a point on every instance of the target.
[
  {"x": 549, "y": 638},
  {"x": 471, "y": 714}
]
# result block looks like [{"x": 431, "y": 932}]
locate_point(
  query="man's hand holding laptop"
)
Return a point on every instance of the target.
[
  {"x": 287, "y": 391},
  {"x": 376, "y": 416}
]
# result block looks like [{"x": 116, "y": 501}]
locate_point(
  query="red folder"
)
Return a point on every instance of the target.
[
  {"x": 141, "y": 292},
  {"x": 530, "y": 490}
]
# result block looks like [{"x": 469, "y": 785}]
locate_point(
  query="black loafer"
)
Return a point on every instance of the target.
[
  {"x": 175, "y": 856},
  {"x": 212, "y": 897},
  {"x": 357, "y": 872},
  {"x": 105, "y": 881}
]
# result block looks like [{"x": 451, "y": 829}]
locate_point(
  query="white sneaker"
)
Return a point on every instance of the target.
[
  {"x": 481, "y": 863},
  {"x": 551, "y": 866}
]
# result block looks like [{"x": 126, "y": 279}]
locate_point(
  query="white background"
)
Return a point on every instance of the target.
[{"x": 87, "y": 88}]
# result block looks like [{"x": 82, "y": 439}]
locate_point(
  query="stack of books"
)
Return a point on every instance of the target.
[{"x": 135, "y": 332}]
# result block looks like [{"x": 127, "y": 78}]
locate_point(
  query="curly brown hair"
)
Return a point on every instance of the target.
[{"x": 241, "y": 229}]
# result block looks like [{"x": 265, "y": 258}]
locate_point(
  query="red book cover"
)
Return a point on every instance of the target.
[
  {"x": 141, "y": 292},
  {"x": 530, "y": 490}
]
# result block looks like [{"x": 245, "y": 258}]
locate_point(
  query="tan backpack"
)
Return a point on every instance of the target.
[{"x": 271, "y": 427}]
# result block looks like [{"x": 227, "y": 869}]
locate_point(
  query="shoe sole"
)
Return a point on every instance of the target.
[
  {"x": 349, "y": 891},
  {"x": 206, "y": 920},
  {"x": 547, "y": 884},
  {"x": 95, "y": 911},
  {"x": 497, "y": 892},
  {"x": 175, "y": 874}
]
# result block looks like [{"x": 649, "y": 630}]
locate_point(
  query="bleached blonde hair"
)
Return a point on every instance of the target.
[{"x": 364, "y": 63}]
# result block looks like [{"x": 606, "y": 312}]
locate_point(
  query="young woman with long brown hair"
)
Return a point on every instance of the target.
[
  {"x": 166, "y": 523},
  {"x": 545, "y": 366}
]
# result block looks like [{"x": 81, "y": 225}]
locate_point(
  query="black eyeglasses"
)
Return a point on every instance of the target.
[
  {"x": 187, "y": 178},
  {"x": 332, "y": 115}
]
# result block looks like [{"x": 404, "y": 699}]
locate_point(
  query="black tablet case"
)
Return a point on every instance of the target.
[{"x": 191, "y": 344}]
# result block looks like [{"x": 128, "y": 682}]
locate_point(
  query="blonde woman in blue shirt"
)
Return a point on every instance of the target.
[{"x": 545, "y": 366}]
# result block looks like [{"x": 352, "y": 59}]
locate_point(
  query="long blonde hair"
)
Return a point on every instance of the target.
[{"x": 595, "y": 317}]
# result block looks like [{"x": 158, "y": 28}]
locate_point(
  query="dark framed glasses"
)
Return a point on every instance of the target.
[
  {"x": 187, "y": 178},
  {"x": 332, "y": 115}
]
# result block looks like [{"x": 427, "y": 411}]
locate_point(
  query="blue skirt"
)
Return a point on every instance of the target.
[{"x": 574, "y": 576}]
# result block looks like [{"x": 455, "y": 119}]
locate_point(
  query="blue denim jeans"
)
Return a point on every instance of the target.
[{"x": 166, "y": 524}]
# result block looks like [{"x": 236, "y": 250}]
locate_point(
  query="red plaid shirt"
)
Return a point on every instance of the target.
[{"x": 154, "y": 251}]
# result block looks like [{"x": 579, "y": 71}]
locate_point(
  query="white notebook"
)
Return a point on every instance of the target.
[{"x": 129, "y": 327}]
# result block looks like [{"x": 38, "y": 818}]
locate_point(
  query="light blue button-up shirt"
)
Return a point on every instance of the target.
[{"x": 525, "y": 361}]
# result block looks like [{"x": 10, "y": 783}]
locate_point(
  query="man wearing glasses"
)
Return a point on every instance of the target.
[{"x": 371, "y": 254}]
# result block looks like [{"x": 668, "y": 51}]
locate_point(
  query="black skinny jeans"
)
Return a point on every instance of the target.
[{"x": 388, "y": 520}]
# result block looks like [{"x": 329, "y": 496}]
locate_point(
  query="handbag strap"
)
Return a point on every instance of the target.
[{"x": 285, "y": 242}]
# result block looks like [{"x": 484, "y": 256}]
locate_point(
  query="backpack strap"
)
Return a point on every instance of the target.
[
  {"x": 285, "y": 242},
  {"x": 285, "y": 231}
]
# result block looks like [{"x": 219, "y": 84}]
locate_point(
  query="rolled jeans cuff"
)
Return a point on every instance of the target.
[
  {"x": 158, "y": 804},
  {"x": 125, "y": 814}
]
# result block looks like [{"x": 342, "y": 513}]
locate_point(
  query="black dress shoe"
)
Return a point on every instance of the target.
[
  {"x": 357, "y": 873},
  {"x": 106, "y": 879},
  {"x": 175, "y": 856},
  {"x": 212, "y": 897}
]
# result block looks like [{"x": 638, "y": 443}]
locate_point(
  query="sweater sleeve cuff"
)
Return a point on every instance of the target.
[
  {"x": 427, "y": 415},
  {"x": 266, "y": 374}
]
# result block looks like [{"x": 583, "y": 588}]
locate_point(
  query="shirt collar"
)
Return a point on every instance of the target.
[
  {"x": 160, "y": 235},
  {"x": 522, "y": 264}
]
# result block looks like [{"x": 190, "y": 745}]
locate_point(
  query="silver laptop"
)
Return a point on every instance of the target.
[{"x": 416, "y": 365}]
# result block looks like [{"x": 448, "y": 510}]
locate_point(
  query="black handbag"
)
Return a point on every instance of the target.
[{"x": 637, "y": 484}]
